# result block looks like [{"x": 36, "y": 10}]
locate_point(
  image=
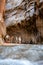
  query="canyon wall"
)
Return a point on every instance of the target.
[{"x": 25, "y": 17}]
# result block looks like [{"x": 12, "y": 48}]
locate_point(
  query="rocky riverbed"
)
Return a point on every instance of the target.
[{"x": 21, "y": 55}]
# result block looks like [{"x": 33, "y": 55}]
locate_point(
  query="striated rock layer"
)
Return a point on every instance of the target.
[{"x": 25, "y": 19}]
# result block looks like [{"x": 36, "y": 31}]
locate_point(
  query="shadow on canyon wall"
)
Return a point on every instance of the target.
[{"x": 24, "y": 21}]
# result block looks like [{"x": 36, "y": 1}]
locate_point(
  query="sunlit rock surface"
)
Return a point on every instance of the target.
[
  {"x": 22, "y": 55},
  {"x": 18, "y": 10}
]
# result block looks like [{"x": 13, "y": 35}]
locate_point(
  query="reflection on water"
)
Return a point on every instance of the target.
[
  {"x": 21, "y": 55},
  {"x": 15, "y": 62},
  {"x": 19, "y": 62}
]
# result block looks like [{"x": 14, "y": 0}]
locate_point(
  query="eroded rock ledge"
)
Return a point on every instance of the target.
[{"x": 25, "y": 19}]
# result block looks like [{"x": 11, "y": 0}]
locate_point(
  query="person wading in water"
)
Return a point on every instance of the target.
[{"x": 2, "y": 23}]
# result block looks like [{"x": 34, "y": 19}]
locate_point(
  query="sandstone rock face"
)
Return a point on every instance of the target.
[
  {"x": 18, "y": 10},
  {"x": 28, "y": 14}
]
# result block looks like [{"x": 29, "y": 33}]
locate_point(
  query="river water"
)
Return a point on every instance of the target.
[{"x": 21, "y": 55}]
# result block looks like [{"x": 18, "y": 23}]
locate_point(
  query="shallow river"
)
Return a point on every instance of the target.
[{"x": 21, "y": 55}]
